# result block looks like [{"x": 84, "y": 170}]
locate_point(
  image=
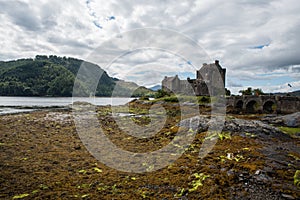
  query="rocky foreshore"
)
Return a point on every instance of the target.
[
  {"x": 42, "y": 157},
  {"x": 275, "y": 146},
  {"x": 291, "y": 120}
]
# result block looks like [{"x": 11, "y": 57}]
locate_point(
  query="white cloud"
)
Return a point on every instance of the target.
[
  {"x": 249, "y": 38},
  {"x": 269, "y": 88}
]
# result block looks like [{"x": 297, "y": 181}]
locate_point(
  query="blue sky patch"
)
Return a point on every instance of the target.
[
  {"x": 266, "y": 81},
  {"x": 111, "y": 18},
  {"x": 97, "y": 24},
  {"x": 260, "y": 46}
]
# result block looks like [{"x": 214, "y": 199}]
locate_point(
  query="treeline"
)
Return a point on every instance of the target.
[{"x": 51, "y": 76}]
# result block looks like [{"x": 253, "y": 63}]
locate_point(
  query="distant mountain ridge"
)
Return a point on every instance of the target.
[
  {"x": 155, "y": 88},
  {"x": 54, "y": 76}
]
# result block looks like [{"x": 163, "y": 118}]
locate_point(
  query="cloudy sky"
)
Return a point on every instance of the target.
[{"x": 258, "y": 41}]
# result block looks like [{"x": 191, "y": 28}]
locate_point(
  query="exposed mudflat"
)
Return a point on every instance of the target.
[{"x": 42, "y": 157}]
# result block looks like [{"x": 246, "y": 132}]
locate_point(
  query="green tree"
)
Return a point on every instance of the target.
[
  {"x": 161, "y": 93},
  {"x": 41, "y": 57},
  {"x": 227, "y": 92},
  {"x": 258, "y": 92},
  {"x": 61, "y": 85},
  {"x": 248, "y": 91}
]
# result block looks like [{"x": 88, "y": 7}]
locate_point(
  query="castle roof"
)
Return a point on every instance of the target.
[{"x": 170, "y": 78}]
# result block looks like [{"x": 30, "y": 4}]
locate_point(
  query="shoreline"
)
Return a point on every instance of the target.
[{"x": 13, "y": 110}]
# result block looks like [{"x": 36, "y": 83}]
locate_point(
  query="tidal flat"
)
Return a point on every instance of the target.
[{"x": 42, "y": 157}]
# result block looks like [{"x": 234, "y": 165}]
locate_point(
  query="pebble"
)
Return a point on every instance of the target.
[{"x": 287, "y": 196}]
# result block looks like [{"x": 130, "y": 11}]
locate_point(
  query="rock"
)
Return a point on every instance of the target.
[
  {"x": 142, "y": 102},
  {"x": 212, "y": 167},
  {"x": 262, "y": 178},
  {"x": 230, "y": 156},
  {"x": 188, "y": 104},
  {"x": 223, "y": 169},
  {"x": 287, "y": 196},
  {"x": 257, "y": 172},
  {"x": 133, "y": 100},
  {"x": 198, "y": 123},
  {"x": 243, "y": 127},
  {"x": 77, "y": 147},
  {"x": 291, "y": 120},
  {"x": 231, "y": 174},
  {"x": 268, "y": 170}
]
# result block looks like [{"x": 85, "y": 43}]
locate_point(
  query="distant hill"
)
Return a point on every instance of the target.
[
  {"x": 123, "y": 87},
  {"x": 53, "y": 76},
  {"x": 155, "y": 88},
  {"x": 294, "y": 93}
]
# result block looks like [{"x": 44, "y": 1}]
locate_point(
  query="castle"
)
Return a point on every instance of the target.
[{"x": 206, "y": 79}]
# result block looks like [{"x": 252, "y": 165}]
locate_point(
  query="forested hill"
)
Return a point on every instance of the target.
[{"x": 51, "y": 76}]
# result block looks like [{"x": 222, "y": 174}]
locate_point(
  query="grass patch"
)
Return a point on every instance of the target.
[
  {"x": 222, "y": 136},
  {"x": 199, "y": 178},
  {"x": 172, "y": 99},
  {"x": 21, "y": 196},
  {"x": 289, "y": 130},
  {"x": 201, "y": 100},
  {"x": 297, "y": 178}
]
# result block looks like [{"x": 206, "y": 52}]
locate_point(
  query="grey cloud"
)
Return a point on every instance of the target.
[
  {"x": 68, "y": 42},
  {"x": 226, "y": 30},
  {"x": 233, "y": 84},
  {"x": 21, "y": 14}
]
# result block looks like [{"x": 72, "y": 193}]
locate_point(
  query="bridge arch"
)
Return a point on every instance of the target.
[
  {"x": 252, "y": 106},
  {"x": 269, "y": 106},
  {"x": 239, "y": 104}
]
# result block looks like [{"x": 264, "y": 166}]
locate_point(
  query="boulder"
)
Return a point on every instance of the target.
[
  {"x": 243, "y": 127},
  {"x": 291, "y": 120}
]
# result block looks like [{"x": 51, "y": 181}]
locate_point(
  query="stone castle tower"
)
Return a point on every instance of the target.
[{"x": 210, "y": 76}]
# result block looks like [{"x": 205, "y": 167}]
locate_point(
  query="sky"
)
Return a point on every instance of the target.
[{"x": 257, "y": 41}]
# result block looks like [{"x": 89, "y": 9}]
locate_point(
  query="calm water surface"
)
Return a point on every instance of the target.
[{"x": 9, "y": 104}]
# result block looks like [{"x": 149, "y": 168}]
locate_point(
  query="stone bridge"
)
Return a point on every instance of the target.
[{"x": 263, "y": 104}]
